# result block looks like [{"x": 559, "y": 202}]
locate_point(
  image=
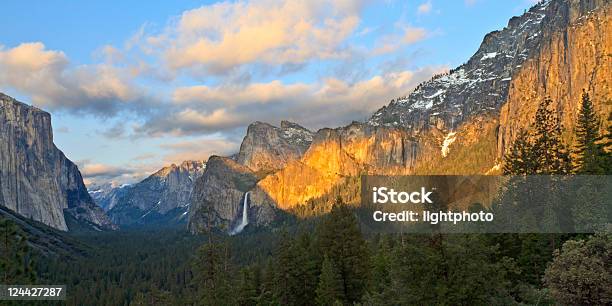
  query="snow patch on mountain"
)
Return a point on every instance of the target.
[
  {"x": 448, "y": 140},
  {"x": 489, "y": 56}
]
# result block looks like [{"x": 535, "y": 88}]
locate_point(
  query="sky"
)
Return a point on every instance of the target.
[{"x": 133, "y": 86}]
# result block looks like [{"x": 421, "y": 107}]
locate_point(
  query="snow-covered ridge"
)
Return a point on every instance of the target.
[{"x": 477, "y": 86}]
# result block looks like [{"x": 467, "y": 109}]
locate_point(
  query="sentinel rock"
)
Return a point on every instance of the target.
[
  {"x": 267, "y": 148},
  {"x": 218, "y": 196},
  {"x": 166, "y": 191},
  {"x": 36, "y": 180}
]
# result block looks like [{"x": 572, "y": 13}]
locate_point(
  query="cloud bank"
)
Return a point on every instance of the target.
[{"x": 214, "y": 69}]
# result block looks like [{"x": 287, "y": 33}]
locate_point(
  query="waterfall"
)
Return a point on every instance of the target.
[{"x": 245, "y": 216}]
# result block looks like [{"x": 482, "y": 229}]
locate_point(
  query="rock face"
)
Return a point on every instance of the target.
[
  {"x": 336, "y": 154},
  {"x": 461, "y": 122},
  {"x": 36, "y": 180},
  {"x": 168, "y": 191},
  {"x": 264, "y": 150},
  {"x": 267, "y": 148},
  {"x": 218, "y": 196},
  {"x": 575, "y": 54}
]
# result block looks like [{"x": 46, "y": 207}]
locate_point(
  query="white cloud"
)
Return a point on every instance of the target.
[
  {"x": 235, "y": 94},
  {"x": 227, "y": 35},
  {"x": 143, "y": 166},
  {"x": 390, "y": 43},
  {"x": 424, "y": 8},
  {"x": 330, "y": 102},
  {"x": 47, "y": 77},
  {"x": 198, "y": 149},
  {"x": 100, "y": 173},
  {"x": 100, "y": 170},
  {"x": 413, "y": 35}
]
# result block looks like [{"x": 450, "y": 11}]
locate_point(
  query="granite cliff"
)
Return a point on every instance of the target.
[
  {"x": 37, "y": 181},
  {"x": 268, "y": 148},
  {"x": 218, "y": 196}
]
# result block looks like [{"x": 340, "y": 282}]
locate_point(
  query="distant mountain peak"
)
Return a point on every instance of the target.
[{"x": 164, "y": 194}]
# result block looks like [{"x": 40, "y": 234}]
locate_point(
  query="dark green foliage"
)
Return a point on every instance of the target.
[
  {"x": 213, "y": 276},
  {"x": 340, "y": 238},
  {"x": 449, "y": 270},
  {"x": 16, "y": 265},
  {"x": 542, "y": 151},
  {"x": 521, "y": 158},
  {"x": 580, "y": 273},
  {"x": 296, "y": 271},
  {"x": 590, "y": 155},
  {"x": 551, "y": 155},
  {"x": 380, "y": 288},
  {"x": 330, "y": 289},
  {"x": 155, "y": 297},
  {"x": 135, "y": 268},
  {"x": 249, "y": 286},
  {"x": 606, "y": 143},
  {"x": 124, "y": 265}
]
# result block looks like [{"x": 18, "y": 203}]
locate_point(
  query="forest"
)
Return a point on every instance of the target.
[{"x": 327, "y": 260}]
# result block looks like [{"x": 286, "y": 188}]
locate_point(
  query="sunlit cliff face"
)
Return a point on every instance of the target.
[
  {"x": 567, "y": 61},
  {"x": 462, "y": 122}
]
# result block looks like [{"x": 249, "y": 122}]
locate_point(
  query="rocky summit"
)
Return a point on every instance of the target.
[
  {"x": 267, "y": 148},
  {"x": 264, "y": 150},
  {"x": 37, "y": 181},
  {"x": 460, "y": 122},
  {"x": 163, "y": 195}
]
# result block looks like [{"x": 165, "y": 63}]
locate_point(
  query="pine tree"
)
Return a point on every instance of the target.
[
  {"x": 340, "y": 238},
  {"x": 268, "y": 284},
  {"x": 212, "y": 275},
  {"x": 542, "y": 151},
  {"x": 520, "y": 159},
  {"x": 605, "y": 144},
  {"x": 330, "y": 289},
  {"x": 16, "y": 265},
  {"x": 551, "y": 155},
  {"x": 380, "y": 288},
  {"x": 248, "y": 287},
  {"x": 589, "y": 153},
  {"x": 296, "y": 272}
]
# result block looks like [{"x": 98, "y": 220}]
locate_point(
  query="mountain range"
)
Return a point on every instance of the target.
[
  {"x": 163, "y": 195},
  {"x": 459, "y": 122}
]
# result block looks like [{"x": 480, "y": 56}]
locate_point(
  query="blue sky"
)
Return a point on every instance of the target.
[{"x": 133, "y": 86}]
